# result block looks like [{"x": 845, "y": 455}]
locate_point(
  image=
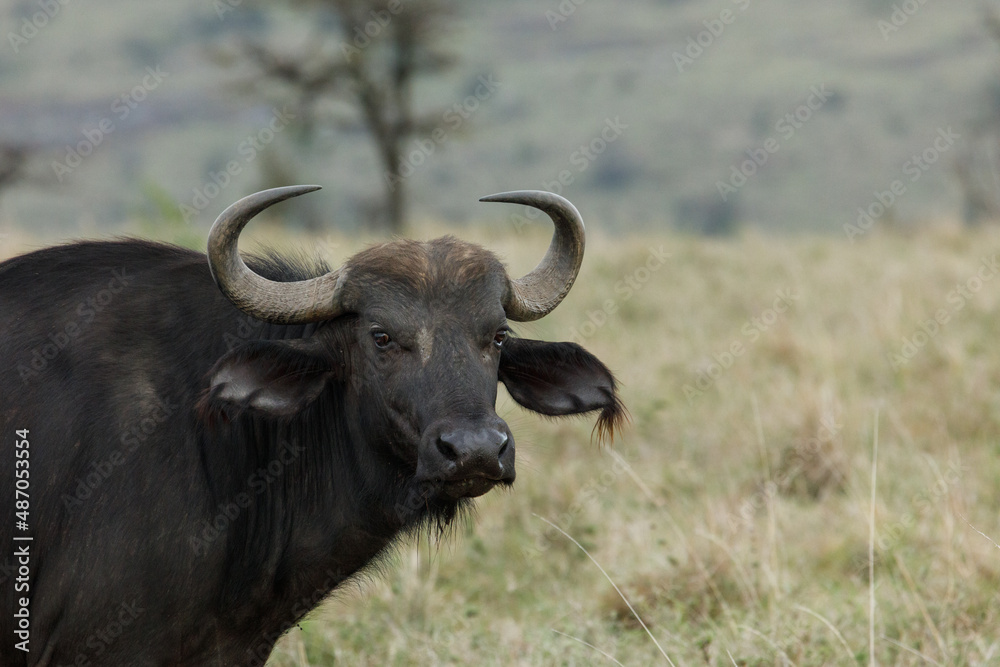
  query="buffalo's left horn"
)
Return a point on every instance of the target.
[
  {"x": 298, "y": 302},
  {"x": 538, "y": 293}
]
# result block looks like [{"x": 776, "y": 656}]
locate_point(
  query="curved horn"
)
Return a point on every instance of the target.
[
  {"x": 299, "y": 302},
  {"x": 538, "y": 293}
]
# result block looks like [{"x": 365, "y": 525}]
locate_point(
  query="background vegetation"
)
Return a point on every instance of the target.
[
  {"x": 736, "y": 520},
  {"x": 560, "y": 81}
]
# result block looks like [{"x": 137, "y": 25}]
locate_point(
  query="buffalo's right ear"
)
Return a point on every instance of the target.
[
  {"x": 561, "y": 379},
  {"x": 277, "y": 378}
]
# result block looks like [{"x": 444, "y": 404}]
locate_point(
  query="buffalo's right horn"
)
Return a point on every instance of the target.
[
  {"x": 298, "y": 302},
  {"x": 538, "y": 293}
]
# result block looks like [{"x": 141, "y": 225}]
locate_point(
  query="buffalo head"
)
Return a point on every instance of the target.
[{"x": 414, "y": 338}]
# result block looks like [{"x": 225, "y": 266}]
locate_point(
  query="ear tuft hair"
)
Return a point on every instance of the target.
[{"x": 612, "y": 421}]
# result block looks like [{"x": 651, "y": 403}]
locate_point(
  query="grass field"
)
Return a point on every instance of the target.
[
  {"x": 737, "y": 521},
  {"x": 735, "y": 513}
]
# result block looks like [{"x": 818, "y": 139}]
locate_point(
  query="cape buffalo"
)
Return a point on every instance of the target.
[{"x": 195, "y": 453}]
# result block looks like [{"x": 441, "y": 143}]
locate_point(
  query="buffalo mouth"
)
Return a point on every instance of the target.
[{"x": 471, "y": 487}]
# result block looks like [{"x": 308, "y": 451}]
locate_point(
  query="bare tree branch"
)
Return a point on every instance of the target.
[
  {"x": 977, "y": 167},
  {"x": 13, "y": 160},
  {"x": 379, "y": 50}
]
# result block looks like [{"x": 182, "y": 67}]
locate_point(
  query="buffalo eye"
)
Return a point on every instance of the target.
[
  {"x": 500, "y": 337},
  {"x": 381, "y": 339}
]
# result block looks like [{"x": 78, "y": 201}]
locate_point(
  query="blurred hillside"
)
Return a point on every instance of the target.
[{"x": 678, "y": 117}]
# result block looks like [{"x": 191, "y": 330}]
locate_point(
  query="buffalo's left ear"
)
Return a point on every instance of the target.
[
  {"x": 561, "y": 379},
  {"x": 277, "y": 378}
]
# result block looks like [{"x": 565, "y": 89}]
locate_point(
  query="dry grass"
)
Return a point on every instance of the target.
[
  {"x": 736, "y": 520},
  {"x": 739, "y": 528}
]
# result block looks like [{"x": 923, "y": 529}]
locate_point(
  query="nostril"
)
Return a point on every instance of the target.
[
  {"x": 447, "y": 449},
  {"x": 503, "y": 448}
]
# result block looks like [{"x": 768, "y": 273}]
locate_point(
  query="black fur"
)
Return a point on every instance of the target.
[{"x": 209, "y": 478}]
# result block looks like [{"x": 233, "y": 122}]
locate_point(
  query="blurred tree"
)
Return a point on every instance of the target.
[
  {"x": 977, "y": 166},
  {"x": 368, "y": 54},
  {"x": 15, "y": 165},
  {"x": 708, "y": 214},
  {"x": 13, "y": 160}
]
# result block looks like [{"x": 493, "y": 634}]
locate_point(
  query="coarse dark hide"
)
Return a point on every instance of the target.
[{"x": 201, "y": 478}]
